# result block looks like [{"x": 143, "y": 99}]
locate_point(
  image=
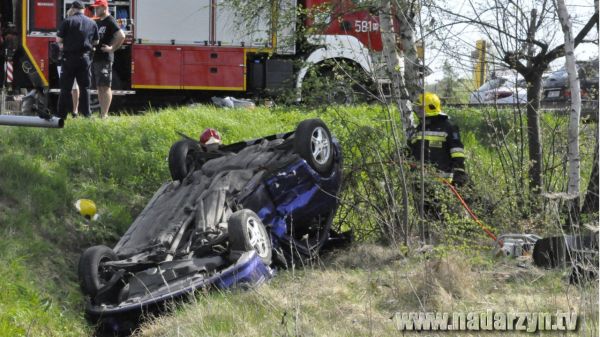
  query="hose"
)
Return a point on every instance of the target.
[{"x": 473, "y": 216}]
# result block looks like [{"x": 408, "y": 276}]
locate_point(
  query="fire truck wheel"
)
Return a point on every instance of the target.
[
  {"x": 341, "y": 94},
  {"x": 53, "y": 103},
  {"x": 337, "y": 82}
]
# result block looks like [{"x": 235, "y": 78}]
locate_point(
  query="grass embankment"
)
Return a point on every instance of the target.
[
  {"x": 120, "y": 162},
  {"x": 359, "y": 292}
]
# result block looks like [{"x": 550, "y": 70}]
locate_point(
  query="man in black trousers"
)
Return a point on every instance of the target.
[{"x": 76, "y": 38}]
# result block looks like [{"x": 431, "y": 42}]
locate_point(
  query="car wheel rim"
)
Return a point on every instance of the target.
[
  {"x": 320, "y": 146},
  {"x": 256, "y": 237},
  {"x": 104, "y": 273}
]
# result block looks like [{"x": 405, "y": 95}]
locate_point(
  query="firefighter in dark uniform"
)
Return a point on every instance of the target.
[
  {"x": 443, "y": 150},
  {"x": 443, "y": 147},
  {"x": 76, "y": 37}
]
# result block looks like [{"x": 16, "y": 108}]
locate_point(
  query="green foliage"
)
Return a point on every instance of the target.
[{"x": 497, "y": 162}]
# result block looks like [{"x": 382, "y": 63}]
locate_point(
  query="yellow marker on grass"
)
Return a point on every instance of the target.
[{"x": 87, "y": 208}]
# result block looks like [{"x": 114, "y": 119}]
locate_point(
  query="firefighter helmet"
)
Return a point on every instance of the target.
[
  {"x": 432, "y": 106},
  {"x": 87, "y": 208},
  {"x": 210, "y": 136}
]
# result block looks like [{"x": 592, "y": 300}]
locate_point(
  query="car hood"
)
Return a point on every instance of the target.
[{"x": 556, "y": 81}]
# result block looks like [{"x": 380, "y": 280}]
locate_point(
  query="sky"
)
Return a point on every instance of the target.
[{"x": 462, "y": 40}]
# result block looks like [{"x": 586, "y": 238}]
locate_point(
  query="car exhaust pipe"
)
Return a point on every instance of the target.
[{"x": 32, "y": 121}]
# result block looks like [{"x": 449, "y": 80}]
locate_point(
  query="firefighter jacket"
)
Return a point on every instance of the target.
[{"x": 443, "y": 147}]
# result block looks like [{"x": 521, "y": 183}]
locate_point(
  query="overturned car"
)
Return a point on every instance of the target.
[{"x": 226, "y": 217}]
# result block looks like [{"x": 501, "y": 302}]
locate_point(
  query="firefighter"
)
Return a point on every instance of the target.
[
  {"x": 443, "y": 151},
  {"x": 111, "y": 39},
  {"x": 76, "y": 38},
  {"x": 443, "y": 147}
]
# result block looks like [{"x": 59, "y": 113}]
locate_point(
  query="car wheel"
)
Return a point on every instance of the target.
[
  {"x": 247, "y": 232},
  {"x": 312, "y": 141},
  {"x": 182, "y": 160},
  {"x": 92, "y": 274}
]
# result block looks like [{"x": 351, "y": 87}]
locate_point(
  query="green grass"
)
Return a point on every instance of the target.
[{"x": 120, "y": 162}]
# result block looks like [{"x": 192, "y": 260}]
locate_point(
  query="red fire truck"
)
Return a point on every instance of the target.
[{"x": 186, "y": 47}]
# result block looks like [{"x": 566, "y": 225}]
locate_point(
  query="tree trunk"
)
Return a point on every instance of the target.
[
  {"x": 406, "y": 26},
  {"x": 399, "y": 90},
  {"x": 591, "y": 202},
  {"x": 573, "y": 133},
  {"x": 534, "y": 133}
]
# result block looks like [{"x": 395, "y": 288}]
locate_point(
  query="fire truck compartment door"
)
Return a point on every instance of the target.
[
  {"x": 42, "y": 16},
  {"x": 179, "y": 22},
  {"x": 207, "y": 77},
  {"x": 213, "y": 68},
  {"x": 236, "y": 29},
  {"x": 156, "y": 67}
]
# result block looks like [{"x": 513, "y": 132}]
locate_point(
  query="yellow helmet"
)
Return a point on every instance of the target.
[
  {"x": 433, "y": 106},
  {"x": 87, "y": 208}
]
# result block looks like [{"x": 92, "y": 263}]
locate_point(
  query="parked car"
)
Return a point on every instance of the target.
[
  {"x": 501, "y": 90},
  {"x": 556, "y": 86},
  {"x": 227, "y": 216}
]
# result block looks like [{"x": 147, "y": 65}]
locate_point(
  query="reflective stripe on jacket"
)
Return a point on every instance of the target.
[{"x": 443, "y": 147}]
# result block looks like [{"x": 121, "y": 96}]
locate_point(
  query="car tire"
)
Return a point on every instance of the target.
[
  {"x": 247, "y": 232},
  {"x": 182, "y": 160},
  {"x": 92, "y": 276},
  {"x": 312, "y": 141}
]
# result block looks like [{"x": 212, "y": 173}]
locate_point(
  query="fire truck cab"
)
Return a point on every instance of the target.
[{"x": 197, "y": 46}]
